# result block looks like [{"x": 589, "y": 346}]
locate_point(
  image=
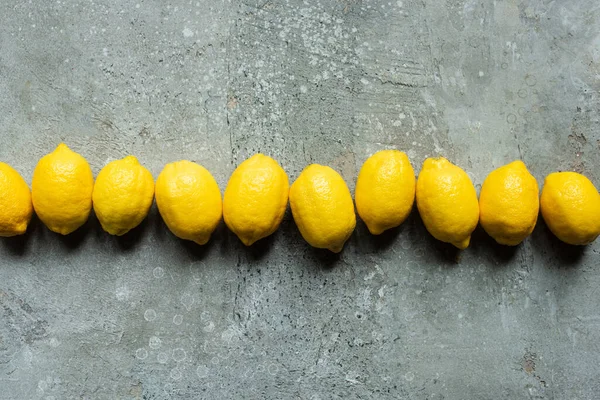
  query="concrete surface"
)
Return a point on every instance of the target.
[{"x": 328, "y": 81}]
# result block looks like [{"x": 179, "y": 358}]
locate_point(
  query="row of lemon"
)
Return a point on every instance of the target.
[{"x": 63, "y": 193}]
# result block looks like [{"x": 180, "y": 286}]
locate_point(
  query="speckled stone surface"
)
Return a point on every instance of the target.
[{"x": 148, "y": 316}]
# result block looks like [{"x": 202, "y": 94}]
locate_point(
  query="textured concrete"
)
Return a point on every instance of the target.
[{"x": 328, "y": 81}]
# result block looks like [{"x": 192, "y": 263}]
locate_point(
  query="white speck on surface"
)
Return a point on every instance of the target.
[
  {"x": 175, "y": 374},
  {"x": 162, "y": 358},
  {"x": 155, "y": 342},
  {"x": 42, "y": 385},
  {"x": 158, "y": 272},
  {"x": 188, "y": 301},
  {"x": 150, "y": 315},
  {"x": 364, "y": 299},
  {"x": 122, "y": 293},
  {"x": 273, "y": 369},
  {"x": 187, "y": 32},
  {"x": 210, "y": 327},
  {"x": 409, "y": 376},
  {"x": 179, "y": 355},
  {"x": 352, "y": 377},
  {"x": 303, "y": 89},
  {"x": 369, "y": 276},
  {"x": 141, "y": 354},
  {"x": 481, "y": 73},
  {"x": 202, "y": 371},
  {"x": 27, "y": 356}
]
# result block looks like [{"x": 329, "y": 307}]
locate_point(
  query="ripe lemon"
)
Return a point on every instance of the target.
[
  {"x": 189, "y": 200},
  {"x": 447, "y": 202},
  {"x": 61, "y": 190},
  {"x": 509, "y": 203},
  {"x": 255, "y": 198},
  {"x": 385, "y": 190},
  {"x": 322, "y": 207},
  {"x": 15, "y": 202},
  {"x": 122, "y": 195},
  {"x": 570, "y": 205}
]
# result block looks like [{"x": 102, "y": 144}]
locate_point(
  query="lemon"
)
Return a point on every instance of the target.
[
  {"x": 447, "y": 202},
  {"x": 61, "y": 190},
  {"x": 122, "y": 196},
  {"x": 255, "y": 198},
  {"x": 509, "y": 203},
  {"x": 322, "y": 207},
  {"x": 570, "y": 205},
  {"x": 15, "y": 202},
  {"x": 385, "y": 190},
  {"x": 189, "y": 200}
]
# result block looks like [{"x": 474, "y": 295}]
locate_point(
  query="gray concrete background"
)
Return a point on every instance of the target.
[{"x": 328, "y": 81}]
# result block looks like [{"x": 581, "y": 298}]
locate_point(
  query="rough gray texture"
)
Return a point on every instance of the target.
[{"x": 328, "y": 81}]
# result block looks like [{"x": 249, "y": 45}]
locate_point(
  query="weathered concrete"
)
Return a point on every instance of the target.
[{"x": 327, "y": 81}]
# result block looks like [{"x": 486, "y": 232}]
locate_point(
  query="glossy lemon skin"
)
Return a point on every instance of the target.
[
  {"x": 322, "y": 207},
  {"x": 447, "y": 202},
  {"x": 570, "y": 206},
  {"x": 509, "y": 203},
  {"x": 255, "y": 198},
  {"x": 189, "y": 200},
  {"x": 15, "y": 202},
  {"x": 61, "y": 190},
  {"x": 385, "y": 190},
  {"x": 122, "y": 196}
]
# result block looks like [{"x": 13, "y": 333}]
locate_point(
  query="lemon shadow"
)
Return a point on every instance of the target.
[
  {"x": 165, "y": 237},
  {"x": 442, "y": 253},
  {"x": 486, "y": 247},
  {"x": 326, "y": 259},
  {"x": 311, "y": 256},
  {"x": 19, "y": 245},
  {"x": 77, "y": 238},
  {"x": 257, "y": 250},
  {"x": 160, "y": 228},
  {"x": 370, "y": 243},
  {"x": 133, "y": 238},
  {"x": 194, "y": 250},
  {"x": 551, "y": 247}
]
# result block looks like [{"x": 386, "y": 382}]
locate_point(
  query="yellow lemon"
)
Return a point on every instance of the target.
[
  {"x": 447, "y": 202},
  {"x": 61, "y": 190},
  {"x": 189, "y": 200},
  {"x": 122, "y": 195},
  {"x": 322, "y": 207},
  {"x": 255, "y": 198},
  {"x": 385, "y": 190},
  {"x": 15, "y": 202},
  {"x": 570, "y": 205},
  {"x": 509, "y": 203}
]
